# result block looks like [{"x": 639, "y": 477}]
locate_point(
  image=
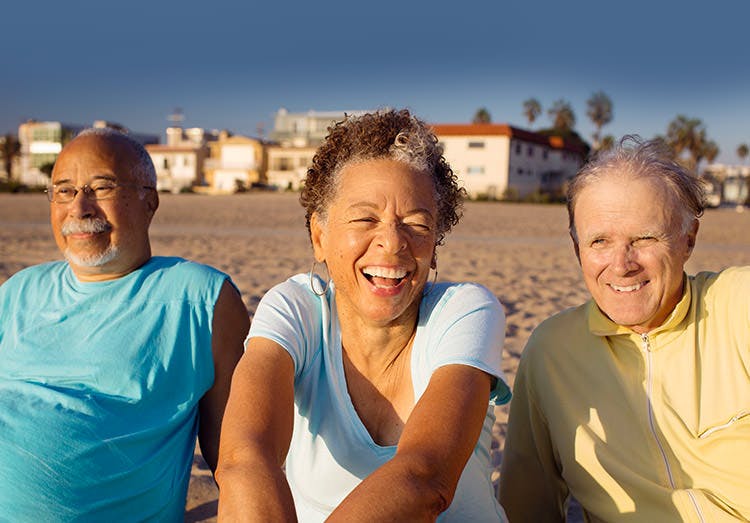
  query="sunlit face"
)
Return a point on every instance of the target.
[
  {"x": 378, "y": 240},
  {"x": 632, "y": 249},
  {"x": 102, "y": 239}
]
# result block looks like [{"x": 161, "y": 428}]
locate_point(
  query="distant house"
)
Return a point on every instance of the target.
[
  {"x": 235, "y": 163},
  {"x": 497, "y": 160},
  {"x": 41, "y": 142},
  {"x": 306, "y": 129},
  {"x": 732, "y": 182},
  {"x": 287, "y": 165},
  {"x": 180, "y": 162}
]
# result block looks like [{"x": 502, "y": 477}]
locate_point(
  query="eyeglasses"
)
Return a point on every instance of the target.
[{"x": 98, "y": 190}]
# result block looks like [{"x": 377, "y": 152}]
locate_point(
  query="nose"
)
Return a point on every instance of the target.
[
  {"x": 624, "y": 259},
  {"x": 391, "y": 238},
  {"x": 82, "y": 206}
]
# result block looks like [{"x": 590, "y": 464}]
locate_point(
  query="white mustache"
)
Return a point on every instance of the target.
[{"x": 91, "y": 226}]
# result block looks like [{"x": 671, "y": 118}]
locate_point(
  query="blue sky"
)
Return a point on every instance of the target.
[{"x": 231, "y": 64}]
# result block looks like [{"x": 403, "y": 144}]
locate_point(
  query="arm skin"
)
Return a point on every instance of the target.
[
  {"x": 229, "y": 327},
  {"x": 255, "y": 439},
  {"x": 531, "y": 485},
  {"x": 420, "y": 481}
]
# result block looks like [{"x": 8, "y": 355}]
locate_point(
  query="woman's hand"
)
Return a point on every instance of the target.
[
  {"x": 255, "y": 437},
  {"x": 440, "y": 434}
]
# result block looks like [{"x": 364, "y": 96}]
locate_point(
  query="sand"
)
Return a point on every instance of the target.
[{"x": 520, "y": 251}]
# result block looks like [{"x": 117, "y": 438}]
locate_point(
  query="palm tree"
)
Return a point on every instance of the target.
[
  {"x": 562, "y": 115},
  {"x": 482, "y": 116},
  {"x": 10, "y": 148},
  {"x": 600, "y": 113},
  {"x": 688, "y": 135},
  {"x": 531, "y": 110},
  {"x": 710, "y": 151},
  {"x": 607, "y": 143},
  {"x": 742, "y": 151}
]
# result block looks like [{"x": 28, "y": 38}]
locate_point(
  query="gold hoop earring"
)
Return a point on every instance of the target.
[{"x": 312, "y": 281}]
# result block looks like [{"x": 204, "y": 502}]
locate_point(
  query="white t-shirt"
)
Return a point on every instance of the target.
[{"x": 331, "y": 450}]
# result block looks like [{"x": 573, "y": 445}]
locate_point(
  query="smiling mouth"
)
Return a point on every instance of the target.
[
  {"x": 628, "y": 288},
  {"x": 385, "y": 277}
]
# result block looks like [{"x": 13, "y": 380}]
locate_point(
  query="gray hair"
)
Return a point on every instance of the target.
[
  {"x": 145, "y": 166},
  {"x": 641, "y": 159}
]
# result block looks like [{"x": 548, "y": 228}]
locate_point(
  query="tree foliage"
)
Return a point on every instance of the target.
[
  {"x": 531, "y": 110},
  {"x": 599, "y": 111},
  {"x": 742, "y": 151},
  {"x": 562, "y": 115},
  {"x": 10, "y": 148},
  {"x": 688, "y": 139},
  {"x": 482, "y": 116}
]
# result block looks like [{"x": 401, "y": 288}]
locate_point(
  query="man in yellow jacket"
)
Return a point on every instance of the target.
[{"x": 636, "y": 403}]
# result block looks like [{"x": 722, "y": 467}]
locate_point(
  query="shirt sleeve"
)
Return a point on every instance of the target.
[
  {"x": 290, "y": 315},
  {"x": 465, "y": 324},
  {"x": 531, "y": 485}
]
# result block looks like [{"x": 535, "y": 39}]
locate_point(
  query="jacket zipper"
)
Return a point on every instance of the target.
[
  {"x": 706, "y": 433},
  {"x": 649, "y": 392}
]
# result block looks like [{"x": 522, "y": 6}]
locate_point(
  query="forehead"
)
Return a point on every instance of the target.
[
  {"x": 384, "y": 178},
  {"x": 625, "y": 200},
  {"x": 92, "y": 155}
]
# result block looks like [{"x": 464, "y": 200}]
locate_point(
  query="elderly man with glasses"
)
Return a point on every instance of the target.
[{"x": 113, "y": 360}]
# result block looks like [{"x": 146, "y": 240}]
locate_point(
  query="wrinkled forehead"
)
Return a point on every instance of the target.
[{"x": 92, "y": 156}]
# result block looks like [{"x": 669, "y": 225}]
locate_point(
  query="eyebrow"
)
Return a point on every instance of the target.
[
  {"x": 108, "y": 177},
  {"x": 370, "y": 205}
]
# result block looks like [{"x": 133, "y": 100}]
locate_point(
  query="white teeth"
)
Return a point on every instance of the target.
[
  {"x": 629, "y": 288},
  {"x": 385, "y": 272}
]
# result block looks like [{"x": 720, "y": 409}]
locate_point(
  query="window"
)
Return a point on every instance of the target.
[
  {"x": 476, "y": 145},
  {"x": 545, "y": 154},
  {"x": 166, "y": 163},
  {"x": 530, "y": 151},
  {"x": 475, "y": 169},
  {"x": 518, "y": 148}
]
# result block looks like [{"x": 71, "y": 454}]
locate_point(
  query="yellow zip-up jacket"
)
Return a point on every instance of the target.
[{"x": 638, "y": 428}]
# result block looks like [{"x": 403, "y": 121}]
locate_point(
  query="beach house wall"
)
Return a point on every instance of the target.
[
  {"x": 305, "y": 129},
  {"x": 178, "y": 167},
  {"x": 235, "y": 164},
  {"x": 497, "y": 160},
  {"x": 287, "y": 165}
]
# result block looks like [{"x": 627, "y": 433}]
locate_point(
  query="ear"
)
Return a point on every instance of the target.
[
  {"x": 433, "y": 261},
  {"x": 152, "y": 202},
  {"x": 318, "y": 237},
  {"x": 691, "y": 237},
  {"x": 575, "y": 247}
]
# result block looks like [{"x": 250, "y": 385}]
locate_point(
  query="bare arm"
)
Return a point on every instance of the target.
[
  {"x": 255, "y": 438},
  {"x": 229, "y": 328},
  {"x": 438, "y": 438}
]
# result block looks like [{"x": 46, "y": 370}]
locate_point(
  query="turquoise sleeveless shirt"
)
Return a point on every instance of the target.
[{"x": 99, "y": 390}]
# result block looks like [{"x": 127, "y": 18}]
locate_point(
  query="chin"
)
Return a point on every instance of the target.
[{"x": 93, "y": 260}]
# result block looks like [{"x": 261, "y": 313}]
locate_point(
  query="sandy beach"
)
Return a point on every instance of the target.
[{"x": 520, "y": 251}]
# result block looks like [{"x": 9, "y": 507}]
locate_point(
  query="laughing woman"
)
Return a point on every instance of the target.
[{"x": 368, "y": 397}]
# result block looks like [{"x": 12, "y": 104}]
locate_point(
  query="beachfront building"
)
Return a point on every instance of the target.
[
  {"x": 306, "y": 129},
  {"x": 732, "y": 182},
  {"x": 497, "y": 161},
  {"x": 294, "y": 138},
  {"x": 287, "y": 165},
  {"x": 41, "y": 142},
  {"x": 180, "y": 162},
  {"x": 236, "y": 163}
]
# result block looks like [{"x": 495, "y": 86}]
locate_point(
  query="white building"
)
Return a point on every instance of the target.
[
  {"x": 236, "y": 163},
  {"x": 180, "y": 162},
  {"x": 287, "y": 166},
  {"x": 496, "y": 160},
  {"x": 305, "y": 129},
  {"x": 733, "y": 182}
]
